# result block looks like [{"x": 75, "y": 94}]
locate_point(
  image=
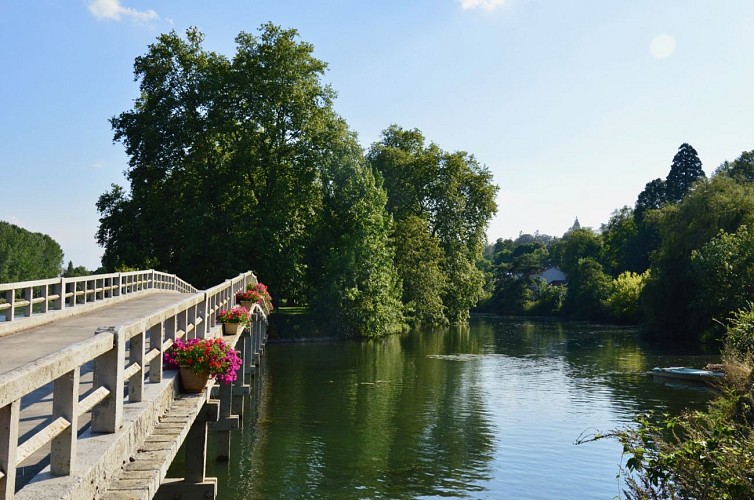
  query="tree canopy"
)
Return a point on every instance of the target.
[
  {"x": 26, "y": 256},
  {"x": 447, "y": 199}
]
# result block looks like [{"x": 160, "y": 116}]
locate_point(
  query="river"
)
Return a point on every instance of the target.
[{"x": 491, "y": 410}]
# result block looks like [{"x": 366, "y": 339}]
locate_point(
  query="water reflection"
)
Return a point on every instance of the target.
[{"x": 488, "y": 410}]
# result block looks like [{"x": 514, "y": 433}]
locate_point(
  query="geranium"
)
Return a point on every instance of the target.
[
  {"x": 249, "y": 295},
  {"x": 260, "y": 289},
  {"x": 212, "y": 356},
  {"x": 238, "y": 314}
]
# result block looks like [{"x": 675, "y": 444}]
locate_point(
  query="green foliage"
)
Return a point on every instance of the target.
[
  {"x": 673, "y": 287},
  {"x": 575, "y": 245},
  {"x": 623, "y": 248},
  {"x": 72, "y": 272},
  {"x": 723, "y": 268},
  {"x": 454, "y": 195},
  {"x": 741, "y": 169},
  {"x": 740, "y": 334},
  {"x": 419, "y": 262},
  {"x": 589, "y": 288},
  {"x": 685, "y": 170},
  {"x": 548, "y": 300},
  {"x": 26, "y": 256},
  {"x": 653, "y": 197},
  {"x": 229, "y": 148},
  {"x": 624, "y": 300},
  {"x": 242, "y": 162},
  {"x": 358, "y": 291}
]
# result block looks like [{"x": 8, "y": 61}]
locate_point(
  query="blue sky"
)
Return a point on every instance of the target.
[{"x": 573, "y": 105}]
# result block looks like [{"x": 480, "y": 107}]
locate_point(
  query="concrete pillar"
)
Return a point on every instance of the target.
[
  {"x": 226, "y": 409},
  {"x": 8, "y": 445},
  {"x": 65, "y": 403},
  {"x": 136, "y": 355},
  {"x": 155, "y": 342},
  {"x": 108, "y": 372}
]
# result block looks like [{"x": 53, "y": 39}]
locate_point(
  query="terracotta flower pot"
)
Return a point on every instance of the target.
[
  {"x": 247, "y": 304},
  {"x": 232, "y": 328},
  {"x": 193, "y": 382}
]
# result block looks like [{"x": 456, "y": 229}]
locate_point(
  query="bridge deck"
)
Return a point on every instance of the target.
[{"x": 28, "y": 345}]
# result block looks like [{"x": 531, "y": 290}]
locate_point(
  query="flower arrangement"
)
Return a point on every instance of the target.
[
  {"x": 264, "y": 296},
  {"x": 248, "y": 296},
  {"x": 236, "y": 315},
  {"x": 212, "y": 356}
]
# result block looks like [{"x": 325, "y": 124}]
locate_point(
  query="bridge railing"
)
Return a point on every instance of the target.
[
  {"x": 33, "y": 298},
  {"x": 115, "y": 368}
]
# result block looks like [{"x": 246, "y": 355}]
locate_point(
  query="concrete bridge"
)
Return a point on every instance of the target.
[{"x": 86, "y": 408}]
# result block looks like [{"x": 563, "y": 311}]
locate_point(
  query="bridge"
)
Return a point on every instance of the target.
[{"x": 87, "y": 409}]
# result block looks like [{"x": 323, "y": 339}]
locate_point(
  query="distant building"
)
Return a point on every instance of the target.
[{"x": 553, "y": 276}]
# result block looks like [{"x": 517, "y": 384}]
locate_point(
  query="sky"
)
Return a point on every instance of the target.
[{"x": 573, "y": 105}]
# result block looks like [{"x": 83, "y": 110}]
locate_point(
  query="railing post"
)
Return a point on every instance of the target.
[
  {"x": 201, "y": 312},
  {"x": 155, "y": 342},
  {"x": 118, "y": 284},
  {"x": 28, "y": 294},
  {"x": 136, "y": 355},
  {"x": 59, "y": 290},
  {"x": 10, "y": 298},
  {"x": 65, "y": 403},
  {"x": 108, "y": 372},
  {"x": 45, "y": 290},
  {"x": 8, "y": 445}
]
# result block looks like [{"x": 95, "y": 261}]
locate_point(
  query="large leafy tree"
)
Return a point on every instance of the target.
[
  {"x": 454, "y": 194},
  {"x": 672, "y": 289},
  {"x": 26, "y": 256},
  {"x": 352, "y": 272},
  {"x": 227, "y": 148}
]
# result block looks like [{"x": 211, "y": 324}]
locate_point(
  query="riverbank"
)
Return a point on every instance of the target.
[{"x": 296, "y": 324}]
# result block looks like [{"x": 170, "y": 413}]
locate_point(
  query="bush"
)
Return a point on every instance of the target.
[{"x": 623, "y": 303}]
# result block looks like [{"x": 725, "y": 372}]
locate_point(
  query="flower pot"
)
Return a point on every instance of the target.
[
  {"x": 232, "y": 328},
  {"x": 247, "y": 304},
  {"x": 192, "y": 381}
]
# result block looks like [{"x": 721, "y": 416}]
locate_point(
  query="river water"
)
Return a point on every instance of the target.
[{"x": 491, "y": 410}]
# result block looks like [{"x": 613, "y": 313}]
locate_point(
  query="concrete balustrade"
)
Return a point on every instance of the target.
[
  {"x": 129, "y": 357},
  {"x": 32, "y": 303}
]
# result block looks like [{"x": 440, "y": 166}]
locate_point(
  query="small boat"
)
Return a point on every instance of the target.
[{"x": 683, "y": 373}]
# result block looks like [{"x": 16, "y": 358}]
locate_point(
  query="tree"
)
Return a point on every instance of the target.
[
  {"x": 231, "y": 148},
  {"x": 26, "y": 256},
  {"x": 685, "y": 170},
  {"x": 419, "y": 263},
  {"x": 669, "y": 294},
  {"x": 622, "y": 248},
  {"x": 243, "y": 163},
  {"x": 724, "y": 270},
  {"x": 357, "y": 286},
  {"x": 453, "y": 193},
  {"x": 72, "y": 272},
  {"x": 576, "y": 244},
  {"x": 589, "y": 288},
  {"x": 741, "y": 169},
  {"x": 653, "y": 197},
  {"x": 624, "y": 304}
]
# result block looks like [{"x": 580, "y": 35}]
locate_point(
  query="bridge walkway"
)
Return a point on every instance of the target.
[{"x": 27, "y": 346}]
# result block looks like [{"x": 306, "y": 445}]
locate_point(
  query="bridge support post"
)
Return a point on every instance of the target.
[
  {"x": 223, "y": 434},
  {"x": 65, "y": 404},
  {"x": 195, "y": 485},
  {"x": 108, "y": 372},
  {"x": 8, "y": 445}
]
